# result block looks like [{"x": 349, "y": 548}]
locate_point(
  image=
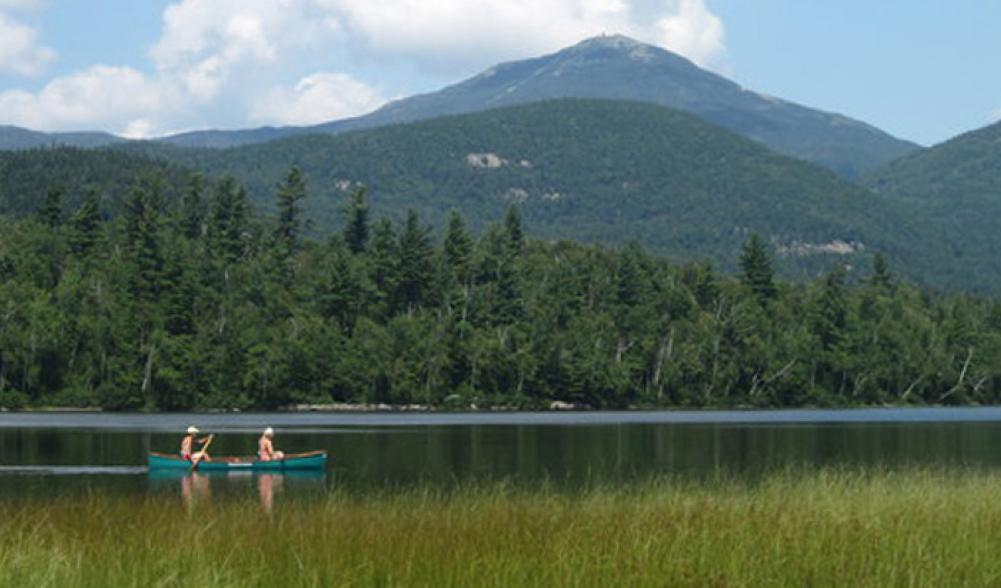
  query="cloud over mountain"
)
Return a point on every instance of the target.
[
  {"x": 97, "y": 97},
  {"x": 454, "y": 33},
  {"x": 316, "y": 98},
  {"x": 235, "y": 63}
]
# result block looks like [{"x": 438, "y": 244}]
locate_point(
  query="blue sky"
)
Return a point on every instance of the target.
[{"x": 921, "y": 70}]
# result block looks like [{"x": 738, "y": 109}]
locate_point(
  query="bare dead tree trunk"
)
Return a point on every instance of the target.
[
  {"x": 759, "y": 385},
  {"x": 910, "y": 388},
  {"x": 621, "y": 348},
  {"x": 663, "y": 354},
  {"x": 148, "y": 371},
  {"x": 962, "y": 376}
]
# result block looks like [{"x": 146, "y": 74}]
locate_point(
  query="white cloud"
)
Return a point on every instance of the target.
[
  {"x": 206, "y": 42},
  {"x": 209, "y": 44},
  {"x": 693, "y": 31},
  {"x": 140, "y": 128},
  {"x": 231, "y": 63},
  {"x": 20, "y": 50},
  {"x": 98, "y": 97},
  {"x": 448, "y": 33},
  {"x": 224, "y": 67},
  {"x": 317, "y": 98}
]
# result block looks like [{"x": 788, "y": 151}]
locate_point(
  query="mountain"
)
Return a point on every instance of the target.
[
  {"x": 607, "y": 67},
  {"x": 619, "y": 68},
  {"x": 14, "y": 138},
  {"x": 966, "y": 169},
  {"x": 223, "y": 139},
  {"x": 599, "y": 171},
  {"x": 958, "y": 183}
]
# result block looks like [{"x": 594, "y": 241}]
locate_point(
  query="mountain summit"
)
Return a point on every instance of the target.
[
  {"x": 610, "y": 67},
  {"x": 619, "y": 68}
]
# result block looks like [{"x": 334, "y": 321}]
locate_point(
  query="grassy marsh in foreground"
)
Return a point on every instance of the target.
[{"x": 924, "y": 528}]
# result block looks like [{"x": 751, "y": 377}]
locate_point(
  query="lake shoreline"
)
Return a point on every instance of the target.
[
  {"x": 342, "y": 407},
  {"x": 556, "y": 407}
]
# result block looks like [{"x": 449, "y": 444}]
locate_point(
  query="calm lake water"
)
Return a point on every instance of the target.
[{"x": 64, "y": 453}]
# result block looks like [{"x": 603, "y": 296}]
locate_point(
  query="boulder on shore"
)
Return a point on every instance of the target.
[{"x": 561, "y": 405}]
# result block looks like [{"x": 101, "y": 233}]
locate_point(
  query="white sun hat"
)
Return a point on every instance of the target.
[
  {"x": 192, "y": 430},
  {"x": 269, "y": 432}
]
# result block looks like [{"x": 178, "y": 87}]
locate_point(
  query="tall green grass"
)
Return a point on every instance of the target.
[{"x": 829, "y": 528}]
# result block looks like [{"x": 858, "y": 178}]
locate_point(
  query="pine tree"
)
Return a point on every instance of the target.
[
  {"x": 85, "y": 224},
  {"x": 142, "y": 223},
  {"x": 513, "y": 231},
  {"x": 228, "y": 220},
  {"x": 705, "y": 285},
  {"x": 383, "y": 256},
  {"x": 192, "y": 217},
  {"x": 756, "y": 269},
  {"x": 415, "y": 264},
  {"x": 832, "y": 313},
  {"x": 508, "y": 303},
  {"x": 881, "y": 277},
  {"x": 630, "y": 280},
  {"x": 51, "y": 211},
  {"x": 458, "y": 249},
  {"x": 288, "y": 198},
  {"x": 498, "y": 274},
  {"x": 632, "y": 287},
  {"x": 344, "y": 298},
  {"x": 181, "y": 290},
  {"x": 356, "y": 231}
]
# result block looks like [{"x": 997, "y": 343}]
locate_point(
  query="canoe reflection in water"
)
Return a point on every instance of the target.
[
  {"x": 195, "y": 489},
  {"x": 198, "y": 489},
  {"x": 267, "y": 485}
]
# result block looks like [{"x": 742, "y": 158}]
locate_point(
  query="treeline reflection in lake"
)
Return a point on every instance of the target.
[{"x": 378, "y": 458}]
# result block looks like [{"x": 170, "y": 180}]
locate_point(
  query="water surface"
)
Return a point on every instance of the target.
[{"x": 67, "y": 452}]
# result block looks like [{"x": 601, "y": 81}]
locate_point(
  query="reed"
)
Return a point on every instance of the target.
[{"x": 824, "y": 528}]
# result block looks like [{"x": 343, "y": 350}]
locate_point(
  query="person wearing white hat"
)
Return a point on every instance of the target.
[
  {"x": 188, "y": 443},
  {"x": 265, "y": 447}
]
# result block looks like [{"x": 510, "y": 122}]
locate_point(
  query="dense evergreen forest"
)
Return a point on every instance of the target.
[{"x": 198, "y": 301}]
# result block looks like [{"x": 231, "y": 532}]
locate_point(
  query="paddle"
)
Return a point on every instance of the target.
[{"x": 201, "y": 453}]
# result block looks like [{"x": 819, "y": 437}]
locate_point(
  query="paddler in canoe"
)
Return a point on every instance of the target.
[
  {"x": 188, "y": 444},
  {"x": 266, "y": 448}
]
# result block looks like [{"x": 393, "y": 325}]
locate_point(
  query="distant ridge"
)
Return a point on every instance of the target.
[
  {"x": 619, "y": 68},
  {"x": 957, "y": 183},
  {"x": 14, "y": 138},
  {"x": 608, "y": 67}
]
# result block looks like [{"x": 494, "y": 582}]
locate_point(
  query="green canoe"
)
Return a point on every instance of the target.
[{"x": 314, "y": 460}]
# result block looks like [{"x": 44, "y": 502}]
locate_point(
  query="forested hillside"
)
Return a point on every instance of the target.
[
  {"x": 594, "y": 171},
  {"x": 196, "y": 302},
  {"x": 27, "y": 177},
  {"x": 957, "y": 183},
  {"x": 960, "y": 178}
]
